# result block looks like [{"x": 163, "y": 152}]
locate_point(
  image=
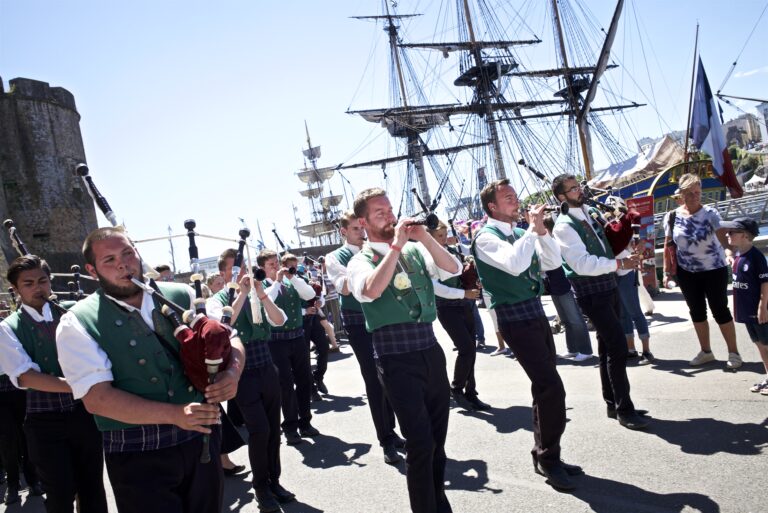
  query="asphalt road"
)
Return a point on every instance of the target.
[{"x": 703, "y": 450}]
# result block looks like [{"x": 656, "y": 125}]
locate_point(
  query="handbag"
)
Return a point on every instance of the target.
[{"x": 670, "y": 249}]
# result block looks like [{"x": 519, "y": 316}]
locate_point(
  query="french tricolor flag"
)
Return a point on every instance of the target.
[{"x": 707, "y": 133}]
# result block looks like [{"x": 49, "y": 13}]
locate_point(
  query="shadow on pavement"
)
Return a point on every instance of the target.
[
  {"x": 683, "y": 368},
  {"x": 470, "y": 475},
  {"x": 711, "y": 436},
  {"x": 299, "y": 507},
  {"x": 507, "y": 420},
  {"x": 326, "y": 451},
  {"x": 607, "y": 496},
  {"x": 238, "y": 492},
  {"x": 337, "y": 403}
]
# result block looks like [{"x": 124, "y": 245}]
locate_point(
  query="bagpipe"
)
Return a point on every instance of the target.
[
  {"x": 621, "y": 225},
  {"x": 469, "y": 278},
  {"x": 75, "y": 293},
  {"x": 205, "y": 346}
]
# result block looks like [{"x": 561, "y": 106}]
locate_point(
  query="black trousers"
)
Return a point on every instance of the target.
[
  {"x": 604, "y": 310},
  {"x": 314, "y": 332},
  {"x": 291, "y": 357},
  {"x": 258, "y": 396},
  {"x": 67, "y": 452},
  {"x": 534, "y": 347},
  {"x": 417, "y": 387},
  {"x": 170, "y": 480},
  {"x": 381, "y": 411},
  {"x": 13, "y": 443},
  {"x": 459, "y": 322}
]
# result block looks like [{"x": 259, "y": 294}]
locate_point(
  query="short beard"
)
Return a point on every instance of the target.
[
  {"x": 385, "y": 233},
  {"x": 117, "y": 291}
]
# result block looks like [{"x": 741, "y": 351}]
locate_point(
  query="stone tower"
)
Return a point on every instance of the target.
[{"x": 40, "y": 144}]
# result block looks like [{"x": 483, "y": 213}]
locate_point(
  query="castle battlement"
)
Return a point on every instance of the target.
[{"x": 36, "y": 90}]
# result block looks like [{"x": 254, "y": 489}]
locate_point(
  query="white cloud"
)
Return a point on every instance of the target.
[{"x": 751, "y": 72}]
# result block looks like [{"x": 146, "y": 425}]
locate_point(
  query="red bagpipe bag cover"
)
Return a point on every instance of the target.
[{"x": 205, "y": 339}]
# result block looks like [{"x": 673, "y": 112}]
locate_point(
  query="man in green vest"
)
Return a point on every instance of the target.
[
  {"x": 510, "y": 261},
  {"x": 359, "y": 338},
  {"x": 591, "y": 268},
  {"x": 63, "y": 442},
  {"x": 258, "y": 393},
  {"x": 392, "y": 279},
  {"x": 119, "y": 355},
  {"x": 289, "y": 349}
]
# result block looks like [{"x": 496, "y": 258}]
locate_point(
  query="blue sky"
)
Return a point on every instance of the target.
[{"x": 195, "y": 111}]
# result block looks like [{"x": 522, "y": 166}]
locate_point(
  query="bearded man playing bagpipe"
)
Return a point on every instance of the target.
[{"x": 121, "y": 356}]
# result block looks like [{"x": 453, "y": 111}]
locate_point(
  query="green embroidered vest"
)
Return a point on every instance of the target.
[
  {"x": 246, "y": 328},
  {"x": 348, "y": 302},
  {"x": 39, "y": 339},
  {"x": 589, "y": 239},
  {"x": 140, "y": 363},
  {"x": 414, "y": 304},
  {"x": 504, "y": 288},
  {"x": 290, "y": 302}
]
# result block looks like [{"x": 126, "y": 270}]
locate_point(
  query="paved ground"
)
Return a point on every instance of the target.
[{"x": 703, "y": 451}]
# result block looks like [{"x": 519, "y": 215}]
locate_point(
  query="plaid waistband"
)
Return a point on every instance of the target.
[
  {"x": 352, "y": 317},
  {"x": 287, "y": 335},
  {"x": 149, "y": 437},
  {"x": 6, "y": 385},
  {"x": 257, "y": 354},
  {"x": 45, "y": 402},
  {"x": 522, "y": 311},
  {"x": 441, "y": 302},
  {"x": 586, "y": 285},
  {"x": 403, "y": 338}
]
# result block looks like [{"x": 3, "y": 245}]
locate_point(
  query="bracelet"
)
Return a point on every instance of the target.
[
  {"x": 262, "y": 298},
  {"x": 396, "y": 248}
]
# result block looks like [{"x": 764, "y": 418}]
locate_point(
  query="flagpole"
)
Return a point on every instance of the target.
[{"x": 690, "y": 98}]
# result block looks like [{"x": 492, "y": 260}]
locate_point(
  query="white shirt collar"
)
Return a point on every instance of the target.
[
  {"x": 147, "y": 306},
  {"x": 354, "y": 249},
  {"x": 46, "y": 317},
  {"x": 379, "y": 247},
  {"x": 579, "y": 213},
  {"x": 506, "y": 228}
]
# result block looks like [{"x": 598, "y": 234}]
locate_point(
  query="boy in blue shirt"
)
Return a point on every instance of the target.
[{"x": 750, "y": 287}]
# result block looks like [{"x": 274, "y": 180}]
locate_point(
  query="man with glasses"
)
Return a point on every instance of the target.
[
  {"x": 510, "y": 261},
  {"x": 591, "y": 267}
]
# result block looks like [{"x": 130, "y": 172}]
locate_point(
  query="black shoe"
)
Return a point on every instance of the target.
[
  {"x": 266, "y": 501},
  {"x": 391, "y": 456},
  {"x": 292, "y": 438},
  {"x": 316, "y": 396},
  {"x": 571, "y": 470},
  {"x": 398, "y": 442},
  {"x": 461, "y": 399},
  {"x": 11, "y": 496},
  {"x": 611, "y": 412},
  {"x": 556, "y": 476},
  {"x": 281, "y": 494},
  {"x": 321, "y": 386},
  {"x": 308, "y": 432},
  {"x": 632, "y": 354},
  {"x": 633, "y": 421},
  {"x": 237, "y": 469},
  {"x": 36, "y": 490},
  {"x": 477, "y": 404}
]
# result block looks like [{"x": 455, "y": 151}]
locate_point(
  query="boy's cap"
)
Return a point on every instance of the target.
[{"x": 747, "y": 224}]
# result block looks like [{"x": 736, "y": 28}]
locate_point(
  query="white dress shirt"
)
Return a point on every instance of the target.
[
  {"x": 359, "y": 269},
  {"x": 14, "y": 360},
  {"x": 516, "y": 258},
  {"x": 575, "y": 251},
  {"x": 214, "y": 308},
  {"x": 82, "y": 359},
  {"x": 337, "y": 273}
]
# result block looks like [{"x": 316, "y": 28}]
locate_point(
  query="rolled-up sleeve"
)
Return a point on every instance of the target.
[
  {"x": 337, "y": 273},
  {"x": 82, "y": 360},
  {"x": 305, "y": 290},
  {"x": 14, "y": 360},
  {"x": 432, "y": 268},
  {"x": 513, "y": 258}
]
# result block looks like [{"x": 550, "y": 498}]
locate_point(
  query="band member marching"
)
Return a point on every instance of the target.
[
  {"x": 591, "y": 267},
  {"x": 289, "y": 350},
  {"x": 510, "y": 262},
  {"x": 455, "y": 311},
  {"x": 359, "y": 338},
  {"x": 258, "y": 393},
  {"x": 391, "y": 278},
  {"x": 120, "y": 356},
  {"x": 63, "y": 442}
]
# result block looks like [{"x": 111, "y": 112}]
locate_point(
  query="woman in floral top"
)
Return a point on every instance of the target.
[{"x": 702, "y": 270}]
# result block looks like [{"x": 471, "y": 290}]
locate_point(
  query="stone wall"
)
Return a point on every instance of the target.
[{"x": 40, "y": 144}]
